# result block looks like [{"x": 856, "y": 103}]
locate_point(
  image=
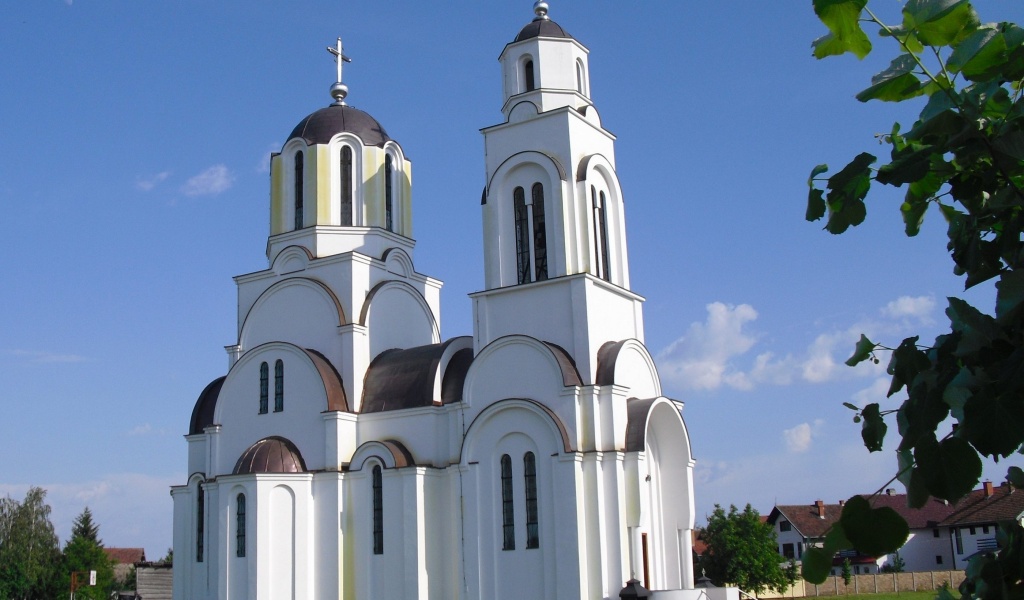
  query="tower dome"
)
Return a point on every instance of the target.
[
  {"x": 541, "y": 26},
  {"x": 324, "y": 124}
]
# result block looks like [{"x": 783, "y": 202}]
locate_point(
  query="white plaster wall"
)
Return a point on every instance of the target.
[
  {"x": 922, "y": 547},
  {"x": 300, "y": 421},
  {"x": 398, "y": 317},
  {"x": 425, "y": 432},
  {"x": 298, "y": 311}
]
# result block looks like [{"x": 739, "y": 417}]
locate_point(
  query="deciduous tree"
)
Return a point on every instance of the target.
[
  {"x": 742, "y": 551},
  {"x": 29, "y": 549},
  {"x": 964, "y": 158}
]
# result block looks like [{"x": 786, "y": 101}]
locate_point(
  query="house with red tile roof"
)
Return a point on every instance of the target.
[{"x": 973, "y": 522}]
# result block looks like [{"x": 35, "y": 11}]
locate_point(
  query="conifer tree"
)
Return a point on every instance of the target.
[{"x": 83, "y": 553}]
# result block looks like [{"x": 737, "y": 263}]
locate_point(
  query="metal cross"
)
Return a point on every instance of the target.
[{"x": 339, "y": 57}]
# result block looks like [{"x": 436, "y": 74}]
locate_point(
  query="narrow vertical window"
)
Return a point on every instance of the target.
[
  {"x": 345, "y": 202},
  {"x": 528, "y": 76},
  {"x": 200, "y": 521},
  {"x": 240, "y": 525},
  {"x": 298, "y": 190},
  {"x": 388, "y": 195},
  {"x": 579, "y": 76},
  {"x": 540, "y": 240},
  {"x": 522, "y": 236},
  {"x": 601, "y": 222},
  {"x": 264, "y": 387},
  {"x": 530, "y": 472},
  {"x": 378, "y": 511},
  {"x": 278, "y": 386},
  {"x": 508, "y": 520}
]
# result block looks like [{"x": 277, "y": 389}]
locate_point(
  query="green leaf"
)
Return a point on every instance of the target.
[
  {"x": 851, "y": 406},
  {"x": 847, "y": 190},
  {"x": 861, "y": 353},
  {"x": 816, "y": 565},
  {"x": 815, "y": 205},
  {"x": 958, "y": 391},
  {"x": 977, "y": 329},
  {"x": 908, "y": 165},
  {"x": 940, "y": 22},
  {"x": 917, "y": 491},
  {"x": 950, "y": 468},
  {"x": 842, "y": 17},
  {"x": 873, "y": 429},
  {"x": 913, "y": 216},
  {"x": 906, "y": 362},
  {"x": 980, "y": 53},
  {"x": 1010, "y": 293},
  {"x": 994, "y": 424},
  {"x": 896, "y": 83},
  {"x": 873, "y": 531},
  {"x": 1015, "y": 475},
  {"x": 835, "y": 539}
]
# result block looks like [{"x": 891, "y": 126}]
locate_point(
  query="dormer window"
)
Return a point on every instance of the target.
[
  {"x": 528, "y": 79},
  {"x": 345, "y": 188},
  {"x": 298, "y": 190}
]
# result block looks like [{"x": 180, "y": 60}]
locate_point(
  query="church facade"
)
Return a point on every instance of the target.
[{"x": 350, "y": 452}]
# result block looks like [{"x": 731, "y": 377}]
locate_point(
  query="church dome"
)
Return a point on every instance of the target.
[
  {"x": 542, "y": 27},
  {"x": 270, "y": 455},
  {"x": 322, "y": 125}
]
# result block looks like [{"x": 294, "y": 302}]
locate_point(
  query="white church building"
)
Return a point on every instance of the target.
[{"x": 350, "y": 452}]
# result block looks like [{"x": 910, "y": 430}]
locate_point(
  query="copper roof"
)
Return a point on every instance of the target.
[
  {"x": 270, "y": 455},
  {"x": 542, "y": 28},
  {"x": 404, "y": 378},
  {"x": 202, "y": 413},
  {"x": 322, "y": 125}
]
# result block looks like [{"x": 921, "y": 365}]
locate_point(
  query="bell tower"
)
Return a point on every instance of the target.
[{"x": 555, "y": 257}]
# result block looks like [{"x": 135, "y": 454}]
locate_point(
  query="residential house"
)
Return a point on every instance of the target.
[{"x": 973, "y": 522}]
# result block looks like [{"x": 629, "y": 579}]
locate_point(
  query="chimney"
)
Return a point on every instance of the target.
[
  {"x": 820, "y": 505},
  {"x": 988, "y": 489},
  {"x": 842, "y": 502},
  {"x": 890, "y": 491}
]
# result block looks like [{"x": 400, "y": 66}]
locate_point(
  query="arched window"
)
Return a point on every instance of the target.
[
  {"x": 522, "y": 236},
  {"x": 579, "y": 77},
  {"x": 240, "y": 525},
  {"x": 602, "y": 267},
  {"x": 378, "y": 511},
  {"x": 508, "y": 520},
  {"x": 345, "y": 201},
  {"x": 528, "y": 76},
  {"x": 200, "y": 520},
  {"x": 298, "y": 190},
  {"x": 264, "y": 387},
  {"x": 278, "y": 386},
  {"x": 389, "y": 195},
  {"x": 540, "y": 240},
  {"x": 530, "y": 473}
]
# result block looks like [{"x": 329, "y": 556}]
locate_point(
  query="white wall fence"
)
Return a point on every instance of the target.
[{"x": 873, "y": 584}]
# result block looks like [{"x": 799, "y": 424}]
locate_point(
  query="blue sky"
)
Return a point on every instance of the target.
[{"x": 133, "y": 179}]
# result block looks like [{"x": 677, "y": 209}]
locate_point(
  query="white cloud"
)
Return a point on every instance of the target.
[
  {"x": 263, "y": 164},
  {"x": 212, "y": 181},
  {"x": 140, "y": 429},
  {"x": 41, "y": 357},
  {"x": 148, "y": 183},
  {"x": 701, "y": 358},
  {"x": 798, "y": 439},
  {"x": 918, "y": 307}
]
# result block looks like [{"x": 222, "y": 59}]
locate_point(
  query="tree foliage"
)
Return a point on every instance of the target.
[
  {"x": 30, "y": 556},
  {"x": 83, "y": 553},
  {"x": 963, "y": 157},
  {"x": 742, "y": 551}
]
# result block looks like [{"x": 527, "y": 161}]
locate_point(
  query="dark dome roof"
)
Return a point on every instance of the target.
[
  {"x": 202, "y": 413},
  {"x": 404, "y": 378},
  {"x": 541, "y": 28},
  {"x": 321, "y": 126},
  {"x": 270, "y": 455}
]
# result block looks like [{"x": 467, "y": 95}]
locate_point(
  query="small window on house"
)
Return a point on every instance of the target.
[
  {"x": 508, "y": 521},
  {"x": 279, "y": 386},
  {"x": 530, "y": 471},
  {"x": 938, "y": 559},
  {"x": 298, "y": 190},
  {"x": 799, "y": 549},
  {"x": 378, "y": 511},
  {"x": 540, "y": 240},
  {"x": 345, "y": 185},
  {"x": 973, "y": 532},
  {"x": 264, "y": 388},
  {"x": 200, "y": 521},
  {"x": 958, "y": 538},
  {"x": 935, "y": 532},
  {"x": 785, "y": 526},
  {"x": 528, "y": 76},
  {"x": 787, "y": 551},
  {"x": 240, "y": 525},
  {"x": 522, "y": 224},
  {"x": 389, "y": 194},
  {"x": 984, "y": 528}
]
